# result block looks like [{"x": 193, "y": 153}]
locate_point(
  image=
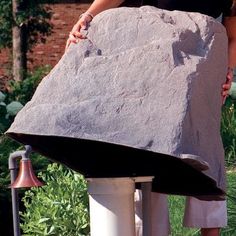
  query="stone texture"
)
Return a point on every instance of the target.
[{"x": 144, "y": 78}]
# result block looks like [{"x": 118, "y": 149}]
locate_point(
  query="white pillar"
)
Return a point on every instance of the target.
[{"x": 111, "y": 203}]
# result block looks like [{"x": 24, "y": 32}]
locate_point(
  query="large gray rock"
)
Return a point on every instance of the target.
[{"x": 144, "y": 78}]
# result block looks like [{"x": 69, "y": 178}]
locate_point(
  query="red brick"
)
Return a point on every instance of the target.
[{"x": 65, "y": 15}]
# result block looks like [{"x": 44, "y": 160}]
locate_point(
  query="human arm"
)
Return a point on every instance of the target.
[
  {"x": 95, "y": 8},
  {"x": 230, "y": 25}
]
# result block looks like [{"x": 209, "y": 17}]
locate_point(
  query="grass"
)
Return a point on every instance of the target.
[
  {"x": 176, "y": 206},
  {"x": 231, "y": 200}
]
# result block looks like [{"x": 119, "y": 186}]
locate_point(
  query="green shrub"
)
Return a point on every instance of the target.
[
  {"x": 59, "y": 208},
  {"x": 7, "y": 112},
  {"x": 13, "y": 108},
  {"x": 19, "y": 94},
  {"x": 23, "y": 91},
  {"x": 2, "y": 97}
]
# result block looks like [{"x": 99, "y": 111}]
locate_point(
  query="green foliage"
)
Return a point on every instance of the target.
[
  {"x": 33, "y": 15},
  {"x": 2, "y": 97},
  {"x": 59, "y": 208},
  {"x": 13, "y": 108},
  {"x": 23, "y": 91},
  {"x": 19, "y": 94},
  {"x": 228, "y": 131},
  {"x": 7, "y": 112},
  {"x": 231, "y": 201},
  {"x": 5, "y": 23}
]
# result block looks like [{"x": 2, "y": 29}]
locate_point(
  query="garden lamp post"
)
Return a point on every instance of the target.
[{"x": 25, "y": 179}]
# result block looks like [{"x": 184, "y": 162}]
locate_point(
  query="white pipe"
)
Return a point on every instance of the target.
[{"x": 111, "y": 203}]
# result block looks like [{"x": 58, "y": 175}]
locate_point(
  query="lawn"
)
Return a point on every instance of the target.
[{"x": 176, "y": 206}]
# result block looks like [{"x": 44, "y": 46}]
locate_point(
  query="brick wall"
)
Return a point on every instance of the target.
[
  {"x": 4, "y": 61},
  {"x": 65, "y": 15}
]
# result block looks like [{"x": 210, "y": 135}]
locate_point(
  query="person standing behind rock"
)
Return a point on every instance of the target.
[{"x": 209, "y": 216}]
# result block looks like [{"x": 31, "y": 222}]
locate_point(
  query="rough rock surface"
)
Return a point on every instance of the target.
[{"x": 144, "y": 78}]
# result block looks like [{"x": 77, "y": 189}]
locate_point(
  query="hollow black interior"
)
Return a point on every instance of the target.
[{"x": 100, "y": 159}]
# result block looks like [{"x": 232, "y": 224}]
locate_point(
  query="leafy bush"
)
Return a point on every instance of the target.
[
  {"x": 59, "y": 208},
  {"x": 7, "y": 112},
  {"x": 19, "y": 94},
  {"x": 23, "y": 91},
  {"x": 2, "y": 97},
  {"x": 34, "y": 14}
]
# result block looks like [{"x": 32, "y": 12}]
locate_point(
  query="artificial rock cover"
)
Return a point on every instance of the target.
[{"x": 140, "y": 96}]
